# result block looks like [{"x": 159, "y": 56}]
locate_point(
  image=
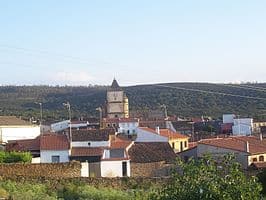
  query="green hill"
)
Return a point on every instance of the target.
[{"x": 183, "y": 99}]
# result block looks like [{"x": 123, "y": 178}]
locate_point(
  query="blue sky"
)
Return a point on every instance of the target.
[{"x": 89, "y": 42}]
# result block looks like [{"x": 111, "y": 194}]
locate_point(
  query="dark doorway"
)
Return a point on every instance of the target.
[{"x": 124, "y": 168}]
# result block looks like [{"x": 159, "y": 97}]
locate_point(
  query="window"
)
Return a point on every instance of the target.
[
  {"x": 185, "y": 144},
  {"x": 261, "y": 158},
  {"x": 55, "y": 159},
  {"x": 254, "y": 160},
  {"x": 173, "y": 145},
  {"x": 181, "y": 146}
]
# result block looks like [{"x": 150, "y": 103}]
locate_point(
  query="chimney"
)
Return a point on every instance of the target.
[
  {"x": 247, "y": 146},
  {"x": 158, "y": 130}
]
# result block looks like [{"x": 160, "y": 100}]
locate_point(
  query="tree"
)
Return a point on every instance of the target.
[{"x": 210, "y": 179}]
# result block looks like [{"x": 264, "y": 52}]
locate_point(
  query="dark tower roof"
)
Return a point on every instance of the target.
[{"x": 115, "y": 85}]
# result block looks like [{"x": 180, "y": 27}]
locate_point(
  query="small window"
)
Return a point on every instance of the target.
[
  {"x": 173, "y": 145},
  {"x": 185, "y": 144},
  {"x": 55, "y": 159},
  {"x": 261, "y": 158},
  {"x": 89, "y": 144},
  {"x": 254, "y": 160}
]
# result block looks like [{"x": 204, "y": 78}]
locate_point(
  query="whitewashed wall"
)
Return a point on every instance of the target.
[
  {"x": 46, "y": 155},
  {"x": 84, "y": 169},
  {"x": 92, "y": 144},
  {"x": 113, "y": 168},
  {"x": 19, "y": 132},
  {"x": 36, "y": 160},
  {"x": 146, "y": 136},
  {"x": 124, "y": 127},
  {"x": 60, "y": 126}
]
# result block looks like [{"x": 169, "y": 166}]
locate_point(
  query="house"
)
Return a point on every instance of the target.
[
  {"x": 54, "y": 148},
  {"x": 247, "y": 149},
  {"x": 91, "y": 137},
  {"x": 29, "y": 145},
  {"x": 46, "y": 148},
  {"x": 101, "y": 152},
  {"x": 177, "y": 141},
  {"x": 257, "y": 124},
  {"x": 122, "y": 125},
  {"x": 145, "y": 134},
  {"x": 242, "y": 126},
  {"x": 13, "y": 128},
  {"x": 149, "y": 159}
]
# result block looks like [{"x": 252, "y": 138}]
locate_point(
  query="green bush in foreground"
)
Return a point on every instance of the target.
[
  {"x": 14, "y": 157},
  {"x": 204, "y": 179}
]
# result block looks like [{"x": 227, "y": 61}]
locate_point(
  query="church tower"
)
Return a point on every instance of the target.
[{"x": 117, "y": 102}]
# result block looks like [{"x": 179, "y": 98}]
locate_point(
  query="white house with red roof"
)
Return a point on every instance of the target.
[
  {"x": 145, "y": 134},
  {"x": 54, "y": 148},
  {"x": 177, "y": 141}
]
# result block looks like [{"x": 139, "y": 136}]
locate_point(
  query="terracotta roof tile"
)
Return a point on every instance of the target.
[
  {"x": 238, "y": 143},
  {"x": 120, "y": 143},
  {"x": 92, "y": 134},
  {"x": 13, "y": 121},
  {"x": 145, "y": 152},
  {"x": 54, "y": 142},
  {"x": 23, "y": 145},
  {"x": 86, "y": 151},
  {"x": 172, "y": 135}
]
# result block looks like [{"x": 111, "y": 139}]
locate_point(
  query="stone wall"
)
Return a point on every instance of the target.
[
  {"x": 125, "y": 183},
  {"x": 155, "y": 169},
  {"x": 54, "y": 170}
]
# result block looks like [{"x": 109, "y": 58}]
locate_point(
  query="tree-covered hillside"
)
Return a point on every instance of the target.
[{"x": 182, "y": 99}]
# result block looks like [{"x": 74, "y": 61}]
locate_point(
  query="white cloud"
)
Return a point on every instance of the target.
[{"x": 71, "y": 78}]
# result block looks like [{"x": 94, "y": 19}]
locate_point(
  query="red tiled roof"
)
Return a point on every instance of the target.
[
  {"x": 172, "y": 135},
  {"x": 23, "y": 145},
  {"x": 120, "y": 143},
  {"x": 238, "y": 143},
  {"x": 92, "y": 134},
  {"x": 146, "y": 152},
  {"x": 86, "y": 151},
  {"x": 54, "y": 142}
]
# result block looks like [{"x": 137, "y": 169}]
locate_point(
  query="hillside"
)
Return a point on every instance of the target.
[{"x": 183, "y": 99}]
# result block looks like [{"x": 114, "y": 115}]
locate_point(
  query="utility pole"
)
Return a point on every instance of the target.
[
  {"x": 165, "y": 111},
  {"x": 101, "y": 115},
  {"x": 67, "y": 105},
  {"x": 40, "y": 103}
]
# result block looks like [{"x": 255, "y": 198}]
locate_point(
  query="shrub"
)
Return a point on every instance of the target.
[
  {"x": 204, "y": 179},
  {"x": 14, "y": 157}
]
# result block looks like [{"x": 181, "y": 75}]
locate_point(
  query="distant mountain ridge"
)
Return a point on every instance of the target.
[{"x": 182, "y": 99}]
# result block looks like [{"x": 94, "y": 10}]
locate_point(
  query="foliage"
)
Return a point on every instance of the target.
[
  {"x": 14, "y": 157},
  {"x": 262, "y": 179},
  {"x": 207, "y": 179},
  {"x": 19, "y": 100},
  {"x": 67, "y": 190}
]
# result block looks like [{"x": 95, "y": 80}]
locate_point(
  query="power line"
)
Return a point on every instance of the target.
[
  {"x": 244, "y": 87},
  {"x": 210, "y": 92}
]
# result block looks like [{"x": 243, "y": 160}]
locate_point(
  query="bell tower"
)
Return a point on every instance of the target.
[{"x": 117, "y": 102}]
